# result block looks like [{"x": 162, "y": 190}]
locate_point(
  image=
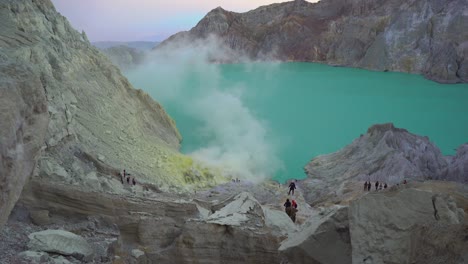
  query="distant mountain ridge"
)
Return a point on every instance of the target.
[
  {"x": 139, "y": 45},
  {"x": 427, "y": 37}
]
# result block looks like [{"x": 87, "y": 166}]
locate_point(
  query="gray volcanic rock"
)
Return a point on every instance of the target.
[
  {"x": 409, "y": 226},
  {"x": 324, "y": 238},
  {"x": 243, "y": 208},
  {"x": 234, "y": 233},
  {"x": 384, "y": 154},
  {"x": 23, "y": 125},
  {"x": 61, "y": 242},
  {"x": 416, "y": 36},
  {"x": 458, "y": 168}
]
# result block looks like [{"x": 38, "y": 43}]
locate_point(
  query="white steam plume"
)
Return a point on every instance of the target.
[{"x": 238, "y": 142}]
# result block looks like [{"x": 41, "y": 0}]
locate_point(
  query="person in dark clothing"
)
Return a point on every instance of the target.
[
  {"x": 293, "y": 214},
  {"x": 385, "y": 186},
  {"x": 133, "y": 181},
  {"x": 365, "y": 186},
  {"x": 369, "y": 186},
  {"x": 292, "y": 186},
  {"x": 376, "y": 185},
  {"x": 121, "y": 177},
  {"x": 128, "y": 180},
  {"x": 287, "y": 206}
]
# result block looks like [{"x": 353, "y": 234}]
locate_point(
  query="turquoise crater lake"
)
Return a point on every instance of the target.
[{"x": 311, "y": 109}]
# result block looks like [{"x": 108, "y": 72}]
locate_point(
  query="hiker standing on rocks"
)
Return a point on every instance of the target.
[
  {"x": 294, "y": 204},
  {"x": 287, "y": 208},
  {"x": 365, "y": 186},
  {"x": 133, "y": 181},
  {"x": 293, "y": 214},
  {"x": 369, "y": 186},
  {"x": 385, "y": 186},
  {"x": 376, "y": 185},
  {"x": 292, "y": 186},
  {"x": 121, "y": 178}
]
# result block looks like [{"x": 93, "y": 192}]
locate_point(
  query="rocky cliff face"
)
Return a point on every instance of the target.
[
  {"x": 23, "y": 125},
  {"x": 416, "y": 36},
  {"x": 409, "y": 226},
  {"x": 385, "y": 154},
  {"x": 60, "y": 93}
]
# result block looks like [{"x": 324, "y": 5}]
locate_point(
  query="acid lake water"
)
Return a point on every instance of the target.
[{"x": 310, "y": 109}]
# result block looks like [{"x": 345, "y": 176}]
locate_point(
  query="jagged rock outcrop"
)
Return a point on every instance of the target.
[
  {"x": 384, "y": 154},
  {"x": 235, "y": 233},
  {"x": 413, "y": 223},
  {"x": 416, "y": 36},
  {"x": 324, "y": 238},
  {"x": 408, "y": 226},
  {"x": 458, "y": 165},
  {"x": 23, "y": 125}
]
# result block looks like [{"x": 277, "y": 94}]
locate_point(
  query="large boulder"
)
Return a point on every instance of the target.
[
  {"x": 407, "y": 226},
  {"x": 60, "y": 242},
  {"x": 202, "y": 242},
  {"x": 324, "y": 238},
  {"x": 244, "y": 208},
  {"x": 278, "y": 221}
]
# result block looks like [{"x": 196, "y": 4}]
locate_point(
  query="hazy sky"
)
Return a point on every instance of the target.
[{"x": 128, "y": 20}]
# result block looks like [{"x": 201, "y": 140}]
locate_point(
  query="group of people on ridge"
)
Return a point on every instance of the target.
[
  {"x": 378, "y": 186},
  {"x": 291, "y": 209},
  {"x": 125, "y": 177},
  {"x": 291, "y": 206}
]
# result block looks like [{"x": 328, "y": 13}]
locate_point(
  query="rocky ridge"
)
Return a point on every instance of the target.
[
  {"x": 417, "y": 36},
  {"x": 384, "y": 154}
]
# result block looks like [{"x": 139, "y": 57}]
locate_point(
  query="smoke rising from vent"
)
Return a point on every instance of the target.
[{"x": 187, "y": 75}]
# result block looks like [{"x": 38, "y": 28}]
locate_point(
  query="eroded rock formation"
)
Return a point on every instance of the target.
[
  {"x": 426, "y": 37},
  {"x": 23, "y": 125},
  {"x": 385, "y": 154},
  {"x": 409, "y": 226}
]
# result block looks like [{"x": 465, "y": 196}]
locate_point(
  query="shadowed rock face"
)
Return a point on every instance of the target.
[
  {"x": 23, "y": 125},
  {"x": 324, "y": 238},
  {"x": 458, "y": 168},
  {"x": 416, "y": 36},
  {"x": 385, "y": 154},
  {"x": 422, "y": 226}
]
